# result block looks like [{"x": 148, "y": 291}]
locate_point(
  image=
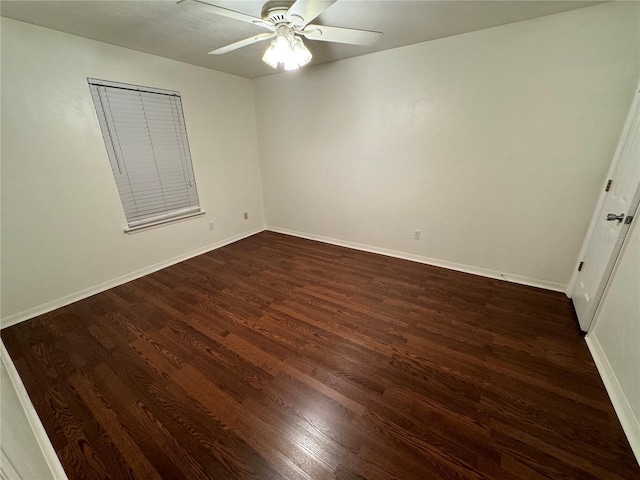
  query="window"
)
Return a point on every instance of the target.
[{"x": 146, "y": 139}]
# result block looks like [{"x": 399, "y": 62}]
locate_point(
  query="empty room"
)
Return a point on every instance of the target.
[{"x": 320, "y": 239}]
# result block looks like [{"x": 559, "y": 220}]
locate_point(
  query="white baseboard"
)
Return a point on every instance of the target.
[
  {"x": 74, "y": 297},
  {"x": 87, "y": 292},
  {"x": 39, "y": 432},
  {"x": 532, "y": 282},
  {"x": 628, "y": 420}
]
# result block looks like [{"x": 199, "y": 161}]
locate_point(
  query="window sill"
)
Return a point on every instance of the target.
[{"x": 148, "y": 226}]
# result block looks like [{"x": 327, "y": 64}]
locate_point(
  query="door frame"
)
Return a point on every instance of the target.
[{"x": 601, "y": 199}]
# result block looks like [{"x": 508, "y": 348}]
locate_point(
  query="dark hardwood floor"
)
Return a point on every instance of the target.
[{"x": 277, "y": 357}]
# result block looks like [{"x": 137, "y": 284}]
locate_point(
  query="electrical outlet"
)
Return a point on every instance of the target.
[
  {"x": 246, "y": 216},
  {"x": 210, "y": 225},
  {"x": 416, "y": 234}
]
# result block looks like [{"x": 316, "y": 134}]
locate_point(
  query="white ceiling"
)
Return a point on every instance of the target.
[{"x": 186, "y": 32}]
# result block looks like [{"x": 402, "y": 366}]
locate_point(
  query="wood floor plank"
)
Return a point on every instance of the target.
[{"x": 282, "y": 358}]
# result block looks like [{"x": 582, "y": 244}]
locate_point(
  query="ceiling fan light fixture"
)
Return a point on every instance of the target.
[
  {"x": 301, "y": 52},
  {"x": 278, "y": 51},
  {"x": 290, "y": 64},
  {"x": 271, "y": 56},
  {"x": 282, "y": 46},
  {"x": 288, "y": 49}
]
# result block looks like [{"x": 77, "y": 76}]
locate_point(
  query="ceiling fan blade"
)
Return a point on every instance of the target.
[
  {"x": 225, "y": 12},
  {"x": 308, "y": 9},
  {"x": 342, "y": 35},
  {"x": 243, "y": 43}
]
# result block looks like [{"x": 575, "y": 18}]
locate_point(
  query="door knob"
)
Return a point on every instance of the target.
[{"x": 612, "y": 216}]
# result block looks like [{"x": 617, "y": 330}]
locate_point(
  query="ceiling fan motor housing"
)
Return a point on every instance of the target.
[{"x": 275, "y": 10}]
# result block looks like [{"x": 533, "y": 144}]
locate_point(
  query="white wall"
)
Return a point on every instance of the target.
[
  {"x": 18, "y": 444},
  {"x": 615, "y": 336},
  {"x": 62, "y": 220},
  {"x": 494, "y": 143},
  {"x": 17, "y": 441}
]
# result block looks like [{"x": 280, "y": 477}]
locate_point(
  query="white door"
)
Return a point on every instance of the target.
[{"x": 612, "y": 222}]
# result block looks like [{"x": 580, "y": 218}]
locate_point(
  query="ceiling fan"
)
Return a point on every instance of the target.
[{"x": 288, "y": 21}]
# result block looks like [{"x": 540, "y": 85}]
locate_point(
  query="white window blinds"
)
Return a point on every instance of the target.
[{"x": 146, "y": 139}]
